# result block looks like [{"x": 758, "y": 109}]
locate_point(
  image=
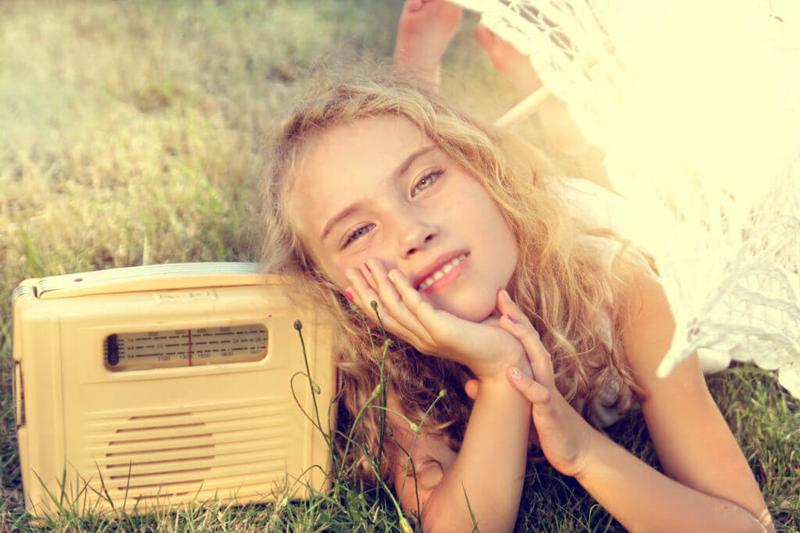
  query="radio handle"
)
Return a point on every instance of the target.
[{"x": 153, "y": 278}]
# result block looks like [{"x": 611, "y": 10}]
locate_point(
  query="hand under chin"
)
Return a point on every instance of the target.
[{"x": 474, "y": 311}]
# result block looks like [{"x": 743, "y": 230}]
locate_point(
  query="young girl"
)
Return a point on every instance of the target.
[{"x": 379, "y": 191}]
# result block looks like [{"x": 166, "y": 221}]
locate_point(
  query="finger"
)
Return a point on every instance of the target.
[
  {"x": 361, "y": 291},
  {"x": 413, "y": 299},
  {"x": 365, "y": 271},
  {"x": 364, "y": 295},
  {"x": 515, "y": 321},
  {"x": 540, "y": 359},
  {"x": 376, "y": 277},
  {"x": 471, "y": 388},
  {"x": 507, "y": 306},
  {"x": 534, "y": 392},
  {"x": 391, "y": 299}
]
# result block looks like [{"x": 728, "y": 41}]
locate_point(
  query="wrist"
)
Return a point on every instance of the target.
[
  {"x": 596, "y": 447},
  {"x": 499, "y": 371},
  {"x": 498, "y": 388}
]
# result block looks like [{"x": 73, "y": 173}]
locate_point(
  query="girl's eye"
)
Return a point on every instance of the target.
[
  {"x": 426, "y": 181},
  {"x": 357, "y": 234}
]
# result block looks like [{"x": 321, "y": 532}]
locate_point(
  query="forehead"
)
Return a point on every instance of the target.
[{"x": 348, "y": 163}]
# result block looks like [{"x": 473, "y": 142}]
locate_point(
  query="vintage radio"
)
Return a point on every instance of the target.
[{"x": 157, "y": 385}]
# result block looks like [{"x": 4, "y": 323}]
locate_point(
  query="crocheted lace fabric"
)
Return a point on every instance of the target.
[{"x": 696, "y": 107}]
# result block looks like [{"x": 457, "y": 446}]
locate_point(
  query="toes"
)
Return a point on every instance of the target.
[{"x": 414, "y": 5}]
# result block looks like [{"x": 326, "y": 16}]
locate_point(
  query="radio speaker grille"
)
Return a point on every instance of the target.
[{"x": 230, "y": 452}]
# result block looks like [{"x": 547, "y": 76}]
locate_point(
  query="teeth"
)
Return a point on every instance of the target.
[{"x": 439, "y": 274}]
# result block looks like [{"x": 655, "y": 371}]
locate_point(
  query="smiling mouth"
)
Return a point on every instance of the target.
[{"x": 441, "y": 273}]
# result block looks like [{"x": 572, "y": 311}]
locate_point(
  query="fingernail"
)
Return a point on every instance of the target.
[
  {"x": 391, "y": 276},
  {"x": 349, "y": 294},
  {"x": 511, "y": 319},
  {"x": 515, "y": 373}
]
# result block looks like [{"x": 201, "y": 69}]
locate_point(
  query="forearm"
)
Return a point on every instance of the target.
[
  {"x": 489, "y": 468},
  {"x": 643, "y": 499}
]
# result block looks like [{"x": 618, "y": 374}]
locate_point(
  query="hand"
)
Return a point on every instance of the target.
[
  {"x": 562, "y": 434},
  {"x": 485, "y": 348}
]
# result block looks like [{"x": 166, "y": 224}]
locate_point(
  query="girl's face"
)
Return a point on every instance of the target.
[{"x": 380, "y": 188}]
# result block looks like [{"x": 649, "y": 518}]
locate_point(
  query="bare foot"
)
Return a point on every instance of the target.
[
  {"x": 560, "y": 129},
  {"x": 510, "y": 63},
  {"x": 425, "y": 30}
]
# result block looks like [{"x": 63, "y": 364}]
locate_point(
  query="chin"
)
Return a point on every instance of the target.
[{"x": 475, "y": 309}]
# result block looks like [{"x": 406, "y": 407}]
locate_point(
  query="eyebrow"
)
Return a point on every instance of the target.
[{"x": 399, "y": 171}]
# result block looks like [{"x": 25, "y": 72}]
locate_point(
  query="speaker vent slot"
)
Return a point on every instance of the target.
[{"x": 235, "y": 449}]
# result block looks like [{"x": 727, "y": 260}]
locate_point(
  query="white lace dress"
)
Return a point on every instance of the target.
[{"x": 598, "y": 205}]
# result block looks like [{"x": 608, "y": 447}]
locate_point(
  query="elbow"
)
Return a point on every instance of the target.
[
  {"x": 749, "y": 523},
  {"x": 437, "y": 518},
  {"x": 434, "y": 518},
  {"x": 764, "y": 522},
  {"x": 753, "y": 525}
]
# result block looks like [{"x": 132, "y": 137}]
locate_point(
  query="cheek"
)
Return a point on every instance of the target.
[
  {"x": 335, "y": 273},
  {"x": 511, "y": 241},
  {"x": 335, "y": 269},
  {"x": 325, "y": 266},
  {"x": 494, "y": 225},
  {"x": 377, "y": 249}
]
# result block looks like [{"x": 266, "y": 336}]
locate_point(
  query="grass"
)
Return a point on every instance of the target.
[{"x": 133, "y": 133}]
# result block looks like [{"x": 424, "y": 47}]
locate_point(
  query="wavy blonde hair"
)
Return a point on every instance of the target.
[{"x": 562, "y": 284}]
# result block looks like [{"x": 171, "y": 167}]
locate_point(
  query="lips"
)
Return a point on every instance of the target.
[{"x": 436, "y": 265}]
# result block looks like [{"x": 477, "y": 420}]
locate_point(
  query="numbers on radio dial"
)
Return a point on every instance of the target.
[{"x": 188, "y": 347}]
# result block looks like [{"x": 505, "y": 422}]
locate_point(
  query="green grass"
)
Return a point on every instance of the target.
[{"x": 133, "y": 133}]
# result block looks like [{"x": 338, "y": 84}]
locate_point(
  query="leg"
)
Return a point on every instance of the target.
[
  {"x": 559, "y": 128},
  {"x": 506, "y": 60},
  {"x": 424, "y": 31},
  {"x": 517, "y": 68}
]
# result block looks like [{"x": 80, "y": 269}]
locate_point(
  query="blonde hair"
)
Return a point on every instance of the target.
[{"x": 561, "y": 283}]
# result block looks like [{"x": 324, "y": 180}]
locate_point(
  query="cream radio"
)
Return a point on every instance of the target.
[{"x": 163, "y": 384}]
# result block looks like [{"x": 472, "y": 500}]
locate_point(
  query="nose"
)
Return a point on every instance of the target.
[{"x": 415, "y": 236}]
